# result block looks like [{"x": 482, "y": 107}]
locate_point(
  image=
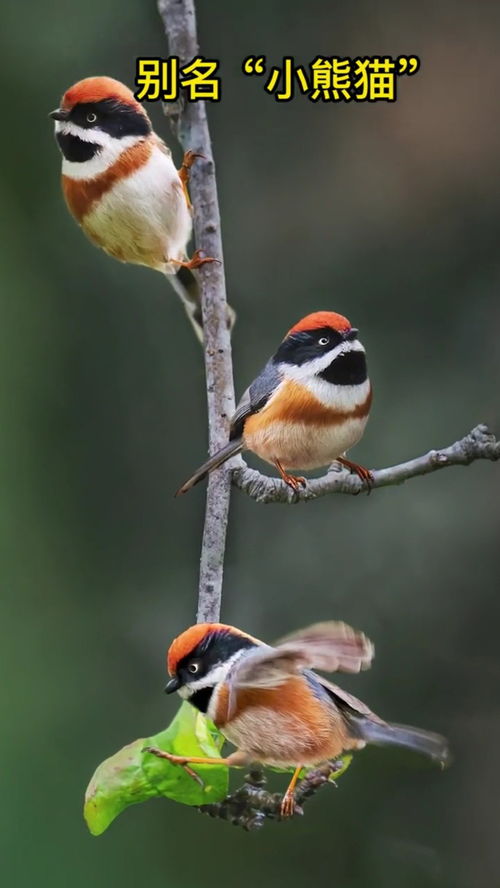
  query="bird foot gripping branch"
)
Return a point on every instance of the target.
[
  {"x": 196, "y": 261},
  {"x": 363, "y": 474},
  {"x": 252, "y": 804},
  {"x": 293, "y": 481}
]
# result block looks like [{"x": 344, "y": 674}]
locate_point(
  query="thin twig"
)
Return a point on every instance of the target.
[
  {"x": 480, "y": 443},
  {"x": 189, "y": 122}
]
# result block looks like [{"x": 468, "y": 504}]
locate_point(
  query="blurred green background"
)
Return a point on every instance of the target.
[{"x": 387, "y": 213}]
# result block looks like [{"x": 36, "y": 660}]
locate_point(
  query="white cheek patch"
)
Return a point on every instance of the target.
[
  {"x": 95, "y": 136},
  {"x": 109, "y": 151},
  {"x": 217, "y": 674}
]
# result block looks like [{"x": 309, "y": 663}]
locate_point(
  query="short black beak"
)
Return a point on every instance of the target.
[
  {"x": 173, "y": 685},
  {"x": 59, "y": 114},
  {"x": 351, "y": 334}
]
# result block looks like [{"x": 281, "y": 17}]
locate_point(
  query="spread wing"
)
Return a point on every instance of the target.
[
  {"x": 255, "y": 397},
  {"x": 331, "y": 646}
]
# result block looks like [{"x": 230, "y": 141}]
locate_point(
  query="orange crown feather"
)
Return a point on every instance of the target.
[
  {"x": 319, "y": 319},
  {"x": 187, "y": 641},
  {"x": 95, "y": 89}
]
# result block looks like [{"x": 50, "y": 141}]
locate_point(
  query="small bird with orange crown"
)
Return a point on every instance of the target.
[
  {"x": 268, "y": 702},
  {"x": 122, "y": 187},
  {"x": 307, "y": 407}
]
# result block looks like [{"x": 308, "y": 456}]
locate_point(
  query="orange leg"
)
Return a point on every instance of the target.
[
  {"x": 288, "y": 801},
  {"x": 187, "y": 162},
  {"x": 291, "y": 480},
  {"x": 236, "y": 759},
  {"x": 195, "y": 261},
  {"x": 365, "y": 474}
]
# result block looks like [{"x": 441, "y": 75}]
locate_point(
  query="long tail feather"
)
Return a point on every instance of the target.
[
  {"x": 187, "y": 288},
  {"x": 432, "y": 745},
  {"x": 214, "y": 462}
]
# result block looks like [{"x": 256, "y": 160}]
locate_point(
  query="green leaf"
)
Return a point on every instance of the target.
[
  {"x": 346, "y": 761},
  {"x": 133, "y": 775}
]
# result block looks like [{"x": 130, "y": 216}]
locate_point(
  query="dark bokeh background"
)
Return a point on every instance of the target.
[{"x": 388, "y": 213}]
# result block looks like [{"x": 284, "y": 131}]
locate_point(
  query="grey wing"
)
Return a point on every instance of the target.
[
  {"x": 255, "y": 397},
  {"x": 343, "y": 698}
]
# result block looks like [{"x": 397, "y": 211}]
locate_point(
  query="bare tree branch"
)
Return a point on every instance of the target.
[
  {"x": 480, "y": 443},
  {"x": 189, "y": 122},
  {"x": 251, "y": 805}
]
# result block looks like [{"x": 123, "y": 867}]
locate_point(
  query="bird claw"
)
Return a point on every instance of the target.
[
  {"x": 195, "y": 262},
  {"x": 293, "y": 481},
  {"x": 363, "y": 474},
  {"x": 288, "y": 805},
  {"x": 187, "y": 162}
]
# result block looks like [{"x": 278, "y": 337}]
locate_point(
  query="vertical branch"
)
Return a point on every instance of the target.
[{"x": 189, "y": 122}]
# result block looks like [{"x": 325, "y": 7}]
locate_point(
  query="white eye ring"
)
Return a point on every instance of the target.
[
  {"x": 193, "y": 668},
  {"x": 91, "y": 117},
  {"x": 323, "y": 341}
]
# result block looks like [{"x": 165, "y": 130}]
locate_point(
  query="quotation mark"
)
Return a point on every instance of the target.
[
  {"x": 408, "y": 64},
  {"x": 254, "y": 65}
]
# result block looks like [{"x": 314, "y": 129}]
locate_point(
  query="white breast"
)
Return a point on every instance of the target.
[{"x": 144, "y": 218}]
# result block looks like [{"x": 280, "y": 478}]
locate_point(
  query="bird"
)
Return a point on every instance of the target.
[
  {"x": 268, "y": 701},
  {"x": 307, "y": 407},
  {"x": 122, "y": 187}
]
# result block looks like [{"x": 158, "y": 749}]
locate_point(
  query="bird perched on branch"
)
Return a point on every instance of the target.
[
  {"x": 269, "y": 703},
  {"x": 122, "y": 187},
  {"x": 307, "y": 407}
]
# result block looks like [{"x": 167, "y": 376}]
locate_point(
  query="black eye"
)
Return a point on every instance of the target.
[
  {"x": 91, "y": 117},
  {"x": 193, "y": 667},
  {"x": 323, "y": 341}
]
